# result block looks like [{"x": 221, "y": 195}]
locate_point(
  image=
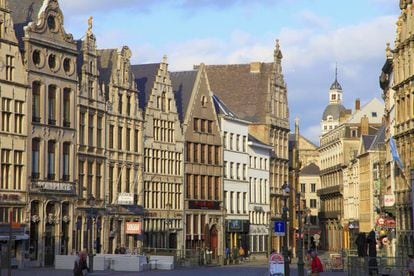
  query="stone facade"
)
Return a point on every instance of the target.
[
  {"x": 163, "y": 188},
  {"x": 257, "y": 92},
  {"x": 13, "y": 135},
  {"x": 402, "y": 63},
  {"x": 203, "y": 169}
]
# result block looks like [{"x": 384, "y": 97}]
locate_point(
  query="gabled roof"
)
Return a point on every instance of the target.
[
  {"x": 221, "y": 107},
  {"x": 367, "y": 141},
  {"x": 244, "y": 92},
  {"x": 183, "y": 84},
  {"x": 23, "y": 12},
  {"x": 145, "y": 75},
  {"x": 311, "y": 169},
  {"x": 379, "y": 141},
  {"x": 374, "y": 110}
]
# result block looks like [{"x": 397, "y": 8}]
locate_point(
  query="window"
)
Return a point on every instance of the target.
[
  {"x": 163, "y": 101},
  {"x": 203, "y": 153},
  {"x": 120, "y": 103},
  {"x": 9, "y": 67},
  {"x": 244, "y": 143},
  {"x": 231, "y": 141},
  {"x": 35, "y": 158},
  {"x": 66, "y": 161},
  {"x": 119, "y": 138},
  {"x": 90, "y": 178},
  {"x": 18, "y": 169},
  {"x": 52, "y": 104},
  {"x": 99, "y": 132},
  {"x": 195, "y": 157},
  {"x": 225, "y": 139},
  {"x": 128, "y": 180},
  {"x": 111, "y": 183},
  {"x": 90, "y": 130},
  {"x": 203, "y": 186},
  {"x": 128, "y": 139},
  {"x": 51, "y": 160},
  {"x": 210, "y": 154},
  {"x": 333, "y": 97},
  {"x": 313, "y": 188},
  {"x": 210, "y": 126},
  {"x": 6, "y": 114},
  {"x": 203, "y": 125},
  {"x": 196, "y": 122},
  {"x": 36, "y": 102},
  {"x": 238, "y": 170},
  {"x": 313, "y": 203},
  {"x": 210, "y": 187},
  {"x": 374, "y": 114},
  {"x": 303, "y": 187},
  {"x": 66, "y": 107},
  {"x": 237, "y": 142},
  {"x": 111, "y": 136},
  {"x": 90, "y": 89},
  {"x": 5, "y": 169},
  {"x": 136, "y": 140},
  {"x": 98, "y": 180},
  {"x": 81, "y": 177},
  {"x": 51, "y": 22},
  {"x": 225, "y": 169},
  {"x": 217, "y": 155},
  {"x": 52, "y": 61},
  {"x": 67, "y": 65},
  {"x": 82, "y": 129},
  {"x": 231, "y": 170},
  {"x": 244, "y": 171},
  {"x": 129, "y": 105}
]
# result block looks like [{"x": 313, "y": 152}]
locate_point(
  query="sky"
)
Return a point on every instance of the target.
[{"x": 314, "y": 36}]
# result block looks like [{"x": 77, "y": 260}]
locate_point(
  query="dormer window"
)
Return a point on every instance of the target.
[
  {"x": 374, "y": 114},
  {"x": 330, "y": 118},
  {"x": 333, "y": 97}
]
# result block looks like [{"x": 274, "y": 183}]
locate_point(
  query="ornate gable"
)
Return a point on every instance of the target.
[{"x": 50, "y": 21}]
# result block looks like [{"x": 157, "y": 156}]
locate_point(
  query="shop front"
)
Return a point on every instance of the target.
[{"x": 238, "y": 234}]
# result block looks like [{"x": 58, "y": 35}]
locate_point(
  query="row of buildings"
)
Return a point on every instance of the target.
[{"x": 97, "y": 153}]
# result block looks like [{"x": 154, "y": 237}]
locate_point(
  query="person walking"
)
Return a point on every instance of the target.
[
  {"x": 241, "y": 253},
  {"x": 316, "y": 264},
  {"x": 80, "y": 267}
]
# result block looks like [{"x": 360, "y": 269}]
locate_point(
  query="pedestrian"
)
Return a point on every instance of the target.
[
  {"x": 361, "y": 245},
  {"x": 316, "y": 264},
  {"x": 122, "y": 250},
  {"x": 241, "y": 253},
  {"x": 117, "y": 249},
  {"x": 410, "y": 265},
  {"x": 80, "y": 267},
  {"x": 228, "y": 253},
  {"x": 372, "y": 253}
]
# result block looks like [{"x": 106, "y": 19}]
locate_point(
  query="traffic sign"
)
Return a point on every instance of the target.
[{"x": 280, "y": 228}]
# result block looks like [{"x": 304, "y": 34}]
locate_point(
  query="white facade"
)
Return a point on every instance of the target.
[
  {"x": 236, "y": 184},
  {"x": 259, "y": 196}
]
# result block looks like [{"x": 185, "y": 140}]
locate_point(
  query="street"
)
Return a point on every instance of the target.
[{"x": 240, "y": 270}]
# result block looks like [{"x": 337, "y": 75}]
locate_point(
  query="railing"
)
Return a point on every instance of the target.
[{"x": 375, "y": 265}]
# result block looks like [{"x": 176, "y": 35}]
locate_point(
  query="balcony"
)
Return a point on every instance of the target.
[
  {"x": 336, "y": 189},
  {"x": 329, "y": 215}
]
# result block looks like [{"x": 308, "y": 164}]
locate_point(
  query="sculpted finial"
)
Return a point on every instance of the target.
[
  {"x": 388, "y": 52},
  {"x": 90, "y": 19}
]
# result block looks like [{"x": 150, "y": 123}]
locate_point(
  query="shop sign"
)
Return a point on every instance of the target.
[
  {"x": 126, "y": 198},
  {"x": 9, "y": 197},
  {"x": 133, "y": 228},
  {"x": 389, "y": 200},
  {"x": 390, "y": 223},
  {"x": 236, "y": 225},
  {"x": 54, "y": 186},
  {"x": 204, "y": 204}
]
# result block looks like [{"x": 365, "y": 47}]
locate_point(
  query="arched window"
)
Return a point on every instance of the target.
[{"x": 36, "y": 101}]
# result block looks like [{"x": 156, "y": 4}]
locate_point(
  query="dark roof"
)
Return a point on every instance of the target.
[
  {"x": 334, "y": 110},
  {"x": 379, "y": 141},
  {"x": 23, "y": 12},
  {"x": 183, "y": 84},
  {"x": 221, "y": 107},
  {"x": 367, "y": 141},
  {"x": 255, "y": 140},
  {"x": 336, "y": 85},
  {"x": 145, "y": 77},
  {"x": 245, "y": 93},
  {"x": 311, "y": 169},
  {"x": 106, "y": 61}
]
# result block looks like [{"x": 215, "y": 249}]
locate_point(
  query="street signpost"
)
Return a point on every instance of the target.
[{"x": 280, "y": 228}]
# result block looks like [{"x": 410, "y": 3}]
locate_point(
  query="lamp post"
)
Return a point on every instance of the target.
[
  {"x": 286, "y": 189},
  {"x": 91, "y": 203},
  {"x": 308, "y": 224}
]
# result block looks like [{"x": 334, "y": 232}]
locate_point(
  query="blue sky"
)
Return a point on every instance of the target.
[{"x": 314, "y": 35}]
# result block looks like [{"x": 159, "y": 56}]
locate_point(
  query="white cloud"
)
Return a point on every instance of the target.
[{"x": 311, "y": 132}]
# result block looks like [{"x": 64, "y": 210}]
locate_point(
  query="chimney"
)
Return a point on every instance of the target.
[
  {"x": 255, "y": 67},
  {"x": 357, "y": 104},
  {"x": 364, "y": 125}
]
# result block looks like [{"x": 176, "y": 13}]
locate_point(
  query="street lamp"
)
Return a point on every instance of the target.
[
  {"x": 308, "y": 224},
  {"x": 286, "y": 189},
  {"x": 91, "y": 203}
]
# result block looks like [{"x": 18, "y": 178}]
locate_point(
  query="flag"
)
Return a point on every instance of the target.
[{"x": 395, "y": 155}]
